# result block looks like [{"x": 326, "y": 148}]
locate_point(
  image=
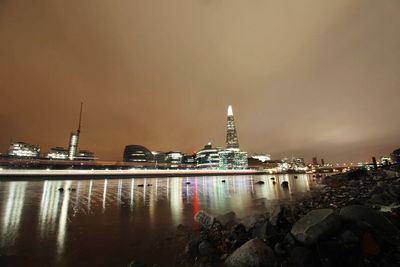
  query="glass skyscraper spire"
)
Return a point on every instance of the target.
[{"x": 232, "y": 141}]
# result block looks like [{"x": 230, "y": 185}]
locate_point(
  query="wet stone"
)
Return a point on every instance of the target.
[
  {"x": 302, "y": 257},
  {"x": 315, "y": 225},
  {"x": 372, "y": 221},
  {"x": 253, "y": 253}
]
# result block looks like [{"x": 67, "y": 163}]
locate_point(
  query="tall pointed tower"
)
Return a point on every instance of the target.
[
  {"x": 74, "y": 139},
  {"x": 232, "y": 141}
]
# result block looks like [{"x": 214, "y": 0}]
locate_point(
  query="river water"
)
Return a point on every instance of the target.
[{"x": 109, "y": 222}]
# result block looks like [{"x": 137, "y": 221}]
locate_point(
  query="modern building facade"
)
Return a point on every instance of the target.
[
  {"x": 395, "y": 156},
  {"x": 262, "y": 157},
  {"x": 231, "y": 134},
  {"x": 159, "y": 156},
  {"x": 232, "y": 157},
  {"x": 74, "y": 139},
  {"x": 85, "y": 155},
  {"x": 208, "y": 157},
  {"x": 174, "y": 158},
  {"x": 23, "y": 150},
  {"x": 137, "y": 153},
  {"x": 57, "y": 153}
]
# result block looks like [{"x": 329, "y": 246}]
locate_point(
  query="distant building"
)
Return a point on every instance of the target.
[
  {"x": 208, "y": 157},
  {"x": 189, "y": 161},
  {"x": 383, "y": 161},
  {"x": 315, "y": 161},
  {"x": 322, "y": 162},
  {"x": 174, "y": 158},
  {"x": 158, "y": 156},
  {"x": 232, "y": 140},
  {"x": 74, "y": 139},
  {"x": 395, "y": 156},
  {"x": 232, "y": 157},
  {"x": 23, "y": 150},
  {"x": 57, "y": 153},
  {"x": 232, "y": 160},
  {"x": 137, "y": 153},
  {"x": 85, "y": 155},
  {"x": 262, "y": 157}
]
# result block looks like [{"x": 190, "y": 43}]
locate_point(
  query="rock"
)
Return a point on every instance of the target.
[
  {"x": 203, "y": 261},
  {"x": 279, "y": 249},
  {"x": 192, "y": 247},
  {"x": 315, "y": 225},
  {"x": 226, "y": 218},
  {"x": 349, "y": 239},
  {"x": 136, "y": 263},
  {"x": 301, "y": 257},
  {"x": 206, "y": 248},
  {"x": 370, "y": 246},
  {"x": 372, "y": 221},
  {"x": 259, "y": 231},
  {"x": 331, "y": 253},
  {"x": 254, "y": 253},
  {"x": 274, "y": 217},
  {"x": 204, "y": 219},
  {"x": 285, "y": 184},
  {"x": 238, "y": 236}
]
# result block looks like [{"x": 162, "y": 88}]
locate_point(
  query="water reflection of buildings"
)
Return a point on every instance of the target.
[
  {"x": 12, "y": 210},
  {"x": 53, "y": 212}
]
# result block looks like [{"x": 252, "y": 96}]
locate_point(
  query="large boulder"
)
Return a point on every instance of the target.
[
  {"x": 372, "y": 221},
  {"x": 254, "y": 253},
  {"x": 226, "y": 218},
  {"x": 315, "y": 225}
]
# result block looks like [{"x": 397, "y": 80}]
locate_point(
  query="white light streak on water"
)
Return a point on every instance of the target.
[
  {"x": 63, "y": 221},
  {"x": 12, "y": 210},
  {"x": 104, "y": 194},
  {"x": 89, "y": 194},
  {"x": 132, "y": 190}
]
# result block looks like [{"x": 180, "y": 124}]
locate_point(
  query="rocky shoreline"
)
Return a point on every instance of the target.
[{"x": 351, "y": 219}]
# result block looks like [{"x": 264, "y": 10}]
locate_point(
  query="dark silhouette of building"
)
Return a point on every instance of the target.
[
  {"x": 396, "y": 156},
  {"x": 314, "y": 161},
  {"x": 137, "y": 153}
]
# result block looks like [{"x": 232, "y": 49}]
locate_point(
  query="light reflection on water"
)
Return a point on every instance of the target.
[{"x": 121, "y": 210}]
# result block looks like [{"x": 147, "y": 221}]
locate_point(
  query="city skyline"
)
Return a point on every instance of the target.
[{"x": 318, "y": 81}]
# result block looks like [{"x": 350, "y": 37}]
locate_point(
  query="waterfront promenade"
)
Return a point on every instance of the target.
[{"x": 11, "y": 174}]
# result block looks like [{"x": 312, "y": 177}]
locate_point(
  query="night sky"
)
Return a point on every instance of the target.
[{"x": 305, "y": 78}]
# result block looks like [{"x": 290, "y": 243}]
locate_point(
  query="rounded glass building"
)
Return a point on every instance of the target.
[{"x": 137, "y": 153}]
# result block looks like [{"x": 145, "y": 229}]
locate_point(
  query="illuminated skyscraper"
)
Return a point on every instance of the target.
[
  {"x": 74, "y": 139},
  {"x": 232, "y": 157},
  {"x": 231, "y": 135}
]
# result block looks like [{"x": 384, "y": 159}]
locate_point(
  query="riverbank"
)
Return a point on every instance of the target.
[
  {"x": 351, "y": 219},
  {"x": 101, "y": 174}
]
